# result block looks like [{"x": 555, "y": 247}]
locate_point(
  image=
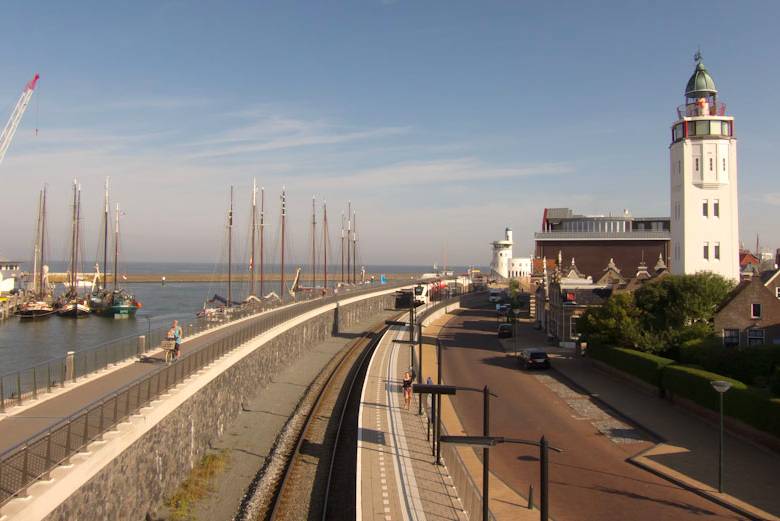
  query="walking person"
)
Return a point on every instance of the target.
[
  {"x": 407, "y": 387},
  {"x": 177, "y": 335}
]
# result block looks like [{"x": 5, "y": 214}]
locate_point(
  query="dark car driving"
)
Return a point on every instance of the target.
[
  {"x": 505, "y": 331},
  {"x": 534, "y": 358}
]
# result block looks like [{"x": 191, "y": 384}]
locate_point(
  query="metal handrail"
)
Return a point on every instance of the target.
[
  {"x": 34, "y": 458},
  {"x": 17, "y": 386}
]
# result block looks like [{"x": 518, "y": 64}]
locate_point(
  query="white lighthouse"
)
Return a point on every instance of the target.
[
  {"x": 502, "y": 256},
  {"x": 703, "y": 174}
]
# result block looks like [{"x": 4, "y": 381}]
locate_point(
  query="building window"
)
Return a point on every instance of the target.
[
  {"x": 716, "y": 251},
  {"x": 777, "y": 292},
  {"x": 573, "y": 327},
  {"x": 724, "y": 164},
  {"x": 704, "y": 208},
  {"x": 697, "y": 164},
  {"x": 711, "y": 165},
  {"x": 706, "y": 250},
  {"x": 716, "y": 208},
  {"x": 731, "y": 337},
  {"x": 755, "y": 311},
  {"x": 755, "y": 337}
]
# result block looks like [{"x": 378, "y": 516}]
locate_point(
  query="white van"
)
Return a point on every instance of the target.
[{"x": 494, "y": 296}]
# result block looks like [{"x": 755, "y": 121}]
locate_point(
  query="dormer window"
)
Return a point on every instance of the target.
[{"x": 755, "y": 311}]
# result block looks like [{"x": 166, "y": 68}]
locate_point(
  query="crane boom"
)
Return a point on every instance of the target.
[{"x": 16, "y": 116}]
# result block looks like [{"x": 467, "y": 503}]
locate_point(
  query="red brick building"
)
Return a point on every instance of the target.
[{"x": 594, "y": 239}]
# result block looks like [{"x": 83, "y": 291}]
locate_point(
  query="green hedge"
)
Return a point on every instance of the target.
[
  {"x": 753, "y": 365},
  {"x": 644, "y": 366},
  {"x": 742, "y": 402}
]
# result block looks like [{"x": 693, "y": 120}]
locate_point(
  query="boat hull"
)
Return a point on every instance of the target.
[
  {"x": 35, "y": 310},
  {"x": 73, "y": 310}
]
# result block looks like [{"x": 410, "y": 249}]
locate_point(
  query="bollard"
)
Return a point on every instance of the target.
[
  {"x": 141, "y": 347},
  {"x": 69, "y": 372}
]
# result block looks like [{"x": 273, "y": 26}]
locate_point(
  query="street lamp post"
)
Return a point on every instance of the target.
[
  {"x": 420, "y": 363},
  {"x": 491, "y": 441},
  {"x": 721, "y": 386},
  {"x": 436, "y": 391}
]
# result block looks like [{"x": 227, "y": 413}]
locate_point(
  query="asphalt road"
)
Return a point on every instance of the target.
[{"x": 591, "y": 480}]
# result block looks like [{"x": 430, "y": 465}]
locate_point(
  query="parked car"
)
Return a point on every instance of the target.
[
  {"x": 505, "y": 331},
  {"x": 494, "y": 296},
  {"x": 534, "y": 357}
]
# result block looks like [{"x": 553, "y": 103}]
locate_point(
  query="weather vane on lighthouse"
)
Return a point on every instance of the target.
[{"x": 697, "y": 56}]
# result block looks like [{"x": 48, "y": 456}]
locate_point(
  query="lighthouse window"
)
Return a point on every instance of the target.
[
  {"x": 678, "y": 132},
  {"x": 704, "y": 208},
  {"x": 706, "y": 250},
  {"x": 724, "y": 164},
  {"x": 716, "y": 252},
  {"x": 702, "y": 128},
  {"x": 726, "y": 129},
  {"x": 716, "y": 127},
  {"x": 716, "y": 208},
  {"x": 697, "y": 164}
]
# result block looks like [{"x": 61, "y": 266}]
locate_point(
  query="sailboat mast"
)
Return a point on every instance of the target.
[
  {"x": 116, "y": 247},
  {"x": 262, "y": 236},
  {"x": 254, "y": 232},
  {"x": 42, "y": 288},
  {"x": 230, "y": 249},
  {"x": 73, "y": 241},
  {"x": 342, "y": 247},
  {"x": 349, "y": 235},
  {"x": 325, "y": 245},
  {"x": 78, "y": 239},
  {"x": 354, "y": 248},
  {"x": 281, "y": 279},
  {"x": 105, "y": 237},
  {"x": 36, "y": 252},
  {"x": 313, "y": 243}
]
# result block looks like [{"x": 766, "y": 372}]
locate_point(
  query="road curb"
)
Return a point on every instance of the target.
[{"x": 644, "y": 463}]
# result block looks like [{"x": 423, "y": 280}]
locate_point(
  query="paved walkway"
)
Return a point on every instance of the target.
[
  {"x": 688, "y": 452},
  {"x": 249, "y": 439},
  {"x": 397, "y": 479}
]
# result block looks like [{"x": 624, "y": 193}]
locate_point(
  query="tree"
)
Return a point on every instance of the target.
[{"x": 659, "y": 316}]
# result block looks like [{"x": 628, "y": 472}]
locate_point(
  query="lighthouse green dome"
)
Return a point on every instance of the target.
[{"x": 701, "y": 83}]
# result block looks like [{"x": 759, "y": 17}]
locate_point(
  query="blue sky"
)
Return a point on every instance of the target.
[{"x": 442, "y": 121}]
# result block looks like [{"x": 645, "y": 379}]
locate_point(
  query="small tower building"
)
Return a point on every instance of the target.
[
  {"x": 703, "y": 175},
  {"x": 502, "y": 256}
]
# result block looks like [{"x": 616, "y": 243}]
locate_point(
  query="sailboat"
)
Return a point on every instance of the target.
[
  {"x": 72, "y": 304},
  {"x": 117, "y": 302},
  {"x": 209, "y": 309},
  {"x": 38, "y": 304}
]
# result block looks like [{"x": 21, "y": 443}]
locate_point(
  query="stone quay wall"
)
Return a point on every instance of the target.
[{"x": 136, "y": 480}]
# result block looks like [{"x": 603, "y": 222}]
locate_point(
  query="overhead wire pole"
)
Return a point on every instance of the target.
[
  {"x": 106, "y": 211},
  {"x": 342, "y": 247},
  {"x": 116, "y": 247}
]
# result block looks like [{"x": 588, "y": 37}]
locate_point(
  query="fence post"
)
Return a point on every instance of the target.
[
  {"x": 86, "y": 431},
  {"x": 70, "y": 373},
  {"x": 141, "y": 346},
  {"x": 48, "y": 455},
  {"x": 19, "y": 387},
  {"x": 2, "y": 395},
  {"x": 48, "y": 378},
  {"x": 67, "y": 440}
]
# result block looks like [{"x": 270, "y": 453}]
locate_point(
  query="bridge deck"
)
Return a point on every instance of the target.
[{"x": 397, "y": 479}]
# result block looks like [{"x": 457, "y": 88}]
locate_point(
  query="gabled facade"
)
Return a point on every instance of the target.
[{"x": 749, "y": 315}]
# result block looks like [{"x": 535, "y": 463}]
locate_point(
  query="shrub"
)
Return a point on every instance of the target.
[
  {"x": 750, "y": 405},
  {"x": 645, "y": 366},
  {"x": 753, "y": 365}
]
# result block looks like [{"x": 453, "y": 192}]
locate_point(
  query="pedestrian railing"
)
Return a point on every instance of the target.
[
  {"x": 468, "y": 492},
  {"x": 33, "y": 459},
  {"x": 19, "y": 386}
]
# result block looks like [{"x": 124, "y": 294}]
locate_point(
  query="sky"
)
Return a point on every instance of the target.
[{"x": 443, "y": 122}]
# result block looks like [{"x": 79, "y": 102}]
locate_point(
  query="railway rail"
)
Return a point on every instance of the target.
[{"x": 317, "y": 464}]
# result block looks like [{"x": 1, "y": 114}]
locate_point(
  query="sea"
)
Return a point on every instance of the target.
[{"x": 24, "y": 344}]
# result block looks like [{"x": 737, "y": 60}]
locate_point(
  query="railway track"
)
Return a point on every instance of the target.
[{"x": 318, "y": 480}]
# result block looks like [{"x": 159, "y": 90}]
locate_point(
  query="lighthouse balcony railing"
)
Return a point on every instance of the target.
[{"x": 693, "y": 110}]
